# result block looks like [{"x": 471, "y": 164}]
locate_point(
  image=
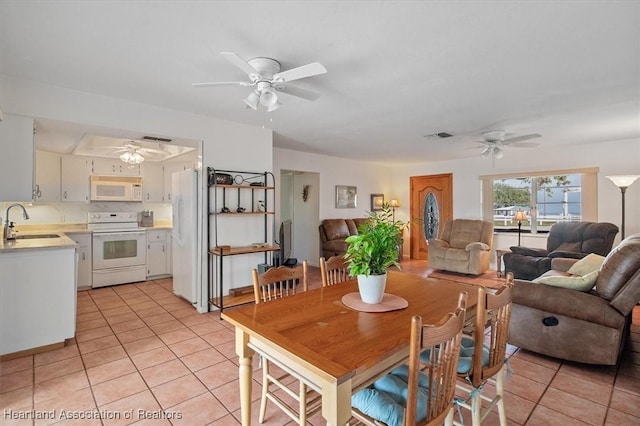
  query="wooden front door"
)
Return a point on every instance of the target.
[{"x": 424, "y": 220}]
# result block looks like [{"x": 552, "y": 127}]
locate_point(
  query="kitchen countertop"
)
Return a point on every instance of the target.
[
  {"x": 62, "y": 242},
  {"x": 52, "y": 243}
]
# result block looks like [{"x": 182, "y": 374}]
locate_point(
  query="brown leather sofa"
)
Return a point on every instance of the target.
[
  {"x": 333, "y": 232},
  {"x": 566, "y": 239},
  {"x": 589, "y": 327}
]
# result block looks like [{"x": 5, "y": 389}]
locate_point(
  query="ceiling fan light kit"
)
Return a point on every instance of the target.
[
  {"x": 132, "y": 157},
  {"x": 265, "y": 74}
]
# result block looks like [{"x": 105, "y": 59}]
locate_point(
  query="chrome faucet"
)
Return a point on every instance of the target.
[{"x": 9, "y": 229}]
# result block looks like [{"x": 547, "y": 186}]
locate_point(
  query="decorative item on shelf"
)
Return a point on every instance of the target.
[
  {"x": 240, "y": 209},
  {"x": 394, "y": 204},
  {"x": 346, "y": 197},
  {"x": 225, "y": 210},
  {"x": 305, "y": 192},
  {"x": 519, "y": 217},
  {"x": 372, "y": 251},
  {"x": 261, "y": 207},
  {"x": 377, "y": 201},
  {"x": 623, "y": 182}
]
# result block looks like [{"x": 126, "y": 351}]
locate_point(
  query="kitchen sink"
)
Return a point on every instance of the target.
[{"x": 36, "y": 236}]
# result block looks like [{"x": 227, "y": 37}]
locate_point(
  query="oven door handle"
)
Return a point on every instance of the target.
[{"x": 111, "y": 235}]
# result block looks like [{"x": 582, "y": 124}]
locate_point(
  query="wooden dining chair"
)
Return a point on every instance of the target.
[
  {"x": 273, "y": 284},
  {"x": 426, "y": 383},
  {"x": 488, "y": 356},
  {"x": 334, "y": 270}
]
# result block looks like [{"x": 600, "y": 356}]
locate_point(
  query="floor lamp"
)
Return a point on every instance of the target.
[
  {"x": 393, "y": 204},
  {"x": 623, "y": 182},
  {"x": 519, "y": 217}
]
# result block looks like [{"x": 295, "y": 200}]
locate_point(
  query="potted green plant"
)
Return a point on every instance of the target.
[{"x": 374, "y": 250}]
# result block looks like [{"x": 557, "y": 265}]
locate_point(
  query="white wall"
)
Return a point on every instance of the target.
[
  {"x": 369, "y": 178},
  {"x": 225, "y": 143}
]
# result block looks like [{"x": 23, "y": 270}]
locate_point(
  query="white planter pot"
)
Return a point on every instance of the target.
[{"x": 371, "y": 288}]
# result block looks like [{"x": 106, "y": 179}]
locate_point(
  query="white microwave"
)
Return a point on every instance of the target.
[{"x": 116, "y": 188}]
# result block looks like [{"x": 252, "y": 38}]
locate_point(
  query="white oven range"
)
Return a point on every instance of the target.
[{"x": 119, "y": 252}]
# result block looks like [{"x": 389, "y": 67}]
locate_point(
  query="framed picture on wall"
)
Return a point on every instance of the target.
[
  {"x": 377, "y": 201},
  {"x": 346, "y": 197}
]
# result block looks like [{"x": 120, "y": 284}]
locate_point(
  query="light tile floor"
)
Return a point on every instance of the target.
[{"x": 142, "y": 355}]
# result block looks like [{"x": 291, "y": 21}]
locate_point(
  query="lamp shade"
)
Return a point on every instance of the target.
[
  {"x": 268, "y": 97},
  {"x": 623, "y": 181},
  {"x": 252, "y": 100},
  {"x": 394, "y": 203},
  {"x": 520, "y": 216}
]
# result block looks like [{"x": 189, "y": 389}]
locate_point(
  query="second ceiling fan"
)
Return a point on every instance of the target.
[
  {"x": 493, "y": 143},
  {"x": 264, "y": 74}
]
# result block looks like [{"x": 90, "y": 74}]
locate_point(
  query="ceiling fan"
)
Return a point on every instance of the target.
[
  {"x": 265, "y": 75},
  {"x": 133, "y": 152},
  {"x": 493, "y": 143}
]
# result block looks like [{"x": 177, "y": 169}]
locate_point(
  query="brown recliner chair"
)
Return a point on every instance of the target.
[
  {"x": 463, "y": 247},
  {"x": 589, "y": 327},
  {"x": 572, "y": 240}
]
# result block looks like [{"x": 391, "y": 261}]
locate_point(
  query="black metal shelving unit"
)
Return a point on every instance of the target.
[{"x": 218, "y": 195}]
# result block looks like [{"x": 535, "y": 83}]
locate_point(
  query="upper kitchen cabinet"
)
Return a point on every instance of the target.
[
  {"x": 114, "y": 166},
  {"x": 75, "y": 178},
  {"x": 47, "y": 188},
  {"x": 152, "y": 182},
  {"x": 16, "y": 160}
]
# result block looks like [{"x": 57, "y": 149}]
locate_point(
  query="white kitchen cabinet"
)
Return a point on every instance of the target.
[
  {"x": 38, "y": 303},
  {"x": 157, "y": 253},
  {"x": 169, "y": 169},
  {"x": 152, "y": 182},
  {"x": 16, "y": 158},
  {"x": 47, "y": 187},
  {"x": 85, "y": 272},
  {"x": 114, "y": 167},
  {"x": 74, "y": 178}
]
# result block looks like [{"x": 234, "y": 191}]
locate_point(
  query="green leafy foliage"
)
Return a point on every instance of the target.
[{"x": 375, "y": 248}]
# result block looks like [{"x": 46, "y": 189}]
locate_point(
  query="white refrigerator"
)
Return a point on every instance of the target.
[{"x": 184, "y": 189}]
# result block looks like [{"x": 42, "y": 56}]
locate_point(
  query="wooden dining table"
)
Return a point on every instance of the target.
[{"x": 337, "y": 350}]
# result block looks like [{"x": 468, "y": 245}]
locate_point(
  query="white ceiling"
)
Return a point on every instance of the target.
[{"x": 397, "y": 71}]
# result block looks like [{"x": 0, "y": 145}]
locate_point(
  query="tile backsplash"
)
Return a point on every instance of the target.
[{"x": 55, "y": 213}]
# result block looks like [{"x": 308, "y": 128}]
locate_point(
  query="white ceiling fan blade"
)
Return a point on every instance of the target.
[
  {"x": 298, "y": 92},
  {"x": 223, "y": 83},
  {"x": 236, "y": 60},
  {"x": 524, "y": 144},
  {"x": 521, "y": 138},
  {"x": 304, "y": 71}
]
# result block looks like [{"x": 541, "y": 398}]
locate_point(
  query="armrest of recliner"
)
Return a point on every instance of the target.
[
  {"x": 529, "y": 251},
  {"x": 477, "y": 246},
  {"x": 567, "y": 254},
  {"x": 436, "y": 243}
]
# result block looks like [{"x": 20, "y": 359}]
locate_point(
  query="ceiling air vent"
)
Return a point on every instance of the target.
[
  {"x": 154, "y": 139},
  {"x": 440, "y": 135}
]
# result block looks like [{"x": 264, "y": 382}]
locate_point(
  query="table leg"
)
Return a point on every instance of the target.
[
  {"x": 245, "y": 355},
  {"x": 336, "y": 403}
]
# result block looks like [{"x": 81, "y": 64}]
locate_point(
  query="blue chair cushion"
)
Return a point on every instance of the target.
[
  {"x": 465, "y": 359},
  {"x": 386, "y": 399}
]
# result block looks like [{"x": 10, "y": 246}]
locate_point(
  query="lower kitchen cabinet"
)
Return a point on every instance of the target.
[
  {"x": 38, "y": 303},
  {"x": 158, "y": 253},
  {"x": 85, "y": 273}
]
